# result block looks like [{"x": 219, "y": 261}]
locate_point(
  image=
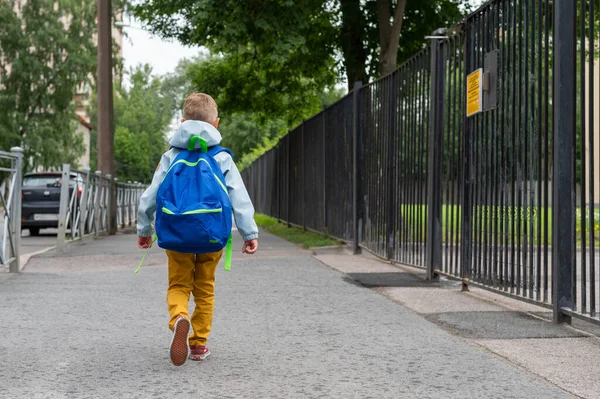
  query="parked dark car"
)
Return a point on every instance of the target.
[{"x": 41, "y": 199}]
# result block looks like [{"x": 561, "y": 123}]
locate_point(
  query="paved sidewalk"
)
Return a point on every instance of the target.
[{"x": 286, "y": 326}]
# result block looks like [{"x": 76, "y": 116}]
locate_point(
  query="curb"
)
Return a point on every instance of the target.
[{"x": 24, "y": 259}]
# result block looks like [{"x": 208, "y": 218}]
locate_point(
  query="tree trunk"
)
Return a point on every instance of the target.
[
  {"x": 351, "y": 39},
  {"x": 389, "y": 34}
]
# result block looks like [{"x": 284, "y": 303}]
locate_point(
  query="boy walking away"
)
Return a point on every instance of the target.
[{"x": 195, "y": 188}]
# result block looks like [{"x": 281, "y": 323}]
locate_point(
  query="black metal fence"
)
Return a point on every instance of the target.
[
  {"x": 306, "y": 180},
  {"x": 394, "y": 130},
  {"x": 585, "y": 275},
  {"x": 476, "y": 159}
]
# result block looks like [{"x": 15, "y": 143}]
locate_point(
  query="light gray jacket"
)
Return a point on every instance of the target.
[{"x": 243, "y": 210}]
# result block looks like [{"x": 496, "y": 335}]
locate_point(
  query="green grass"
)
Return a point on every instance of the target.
[
  {"x": 503, "y": 220},
  {"x": 308, "y": 239},
  {"x": 500, "y": 222}
]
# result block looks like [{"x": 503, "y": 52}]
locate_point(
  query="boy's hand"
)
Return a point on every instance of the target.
[
  {"x": 250, "y": 247},
  {"x": 144, "y": 242}
]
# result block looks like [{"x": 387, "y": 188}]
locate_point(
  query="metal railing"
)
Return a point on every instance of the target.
[
  {"x": 393, "y": 120},
  {"x": 83, "y": 210},
  {"x": 11, "y": 166},
  {"x": 477, "y": 159},
  {"x": 307, "y": 179},
  {"x": 128, "y": 200},
  {"x": 85, "y": 204},
  {"x": 583, "y": 282}
]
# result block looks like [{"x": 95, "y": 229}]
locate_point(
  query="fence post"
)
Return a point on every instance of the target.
[
  {"x": 130, "y": 204},
  {"x": 276, "y": 180},
  {"x": 99, "y": 194},
  {"x": 563, "y": 201},
  {"x": 288, "y": 180},
  {"x": 118, "y": 219},
  {"x": 356, "y": 202},
  {"x": 112, "y": 205},
  {"x": 434, "y": 162},
  {"x": 303, "y": 172},
  {"x": 15, "y": 267},
  {"x": 138, "y": 197},
  {"x": 324, "y": 162},
  {"x": 83, "y": 202},
  {"x": 121, "y": 191},
  {"x": 391, "y": 166},
  {"x": 466, "y": 238},
  {"x": 62, "y": 210}
]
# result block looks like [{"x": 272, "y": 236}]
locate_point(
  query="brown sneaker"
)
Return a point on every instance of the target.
[
  {"x": 180, "y": 348},
  {"x": 199, "y": 352}
]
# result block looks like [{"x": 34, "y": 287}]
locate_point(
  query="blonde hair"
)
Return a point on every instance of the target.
[{"x": 200, "y": 107}]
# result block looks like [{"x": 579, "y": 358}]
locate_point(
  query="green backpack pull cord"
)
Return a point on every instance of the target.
[
  {"x": 228, "y": 253},
  {"x": 146, "y": 253}
]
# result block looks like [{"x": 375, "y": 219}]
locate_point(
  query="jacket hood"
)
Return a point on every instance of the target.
[{"x": 189, "y": 129}]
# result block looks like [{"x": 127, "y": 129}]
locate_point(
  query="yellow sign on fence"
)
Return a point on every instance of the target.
[{"x": 474, "y": 93}]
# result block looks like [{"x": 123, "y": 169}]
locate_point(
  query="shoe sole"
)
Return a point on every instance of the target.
[
  {"x": 199, "y": 358},
  {"x": 179, "y": 348}
]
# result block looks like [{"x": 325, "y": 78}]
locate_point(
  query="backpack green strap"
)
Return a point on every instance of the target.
[
  {"x": 192, "y": 143},
  {"x": 228, "y": 253},
  {"x": 146, "y": 253}
]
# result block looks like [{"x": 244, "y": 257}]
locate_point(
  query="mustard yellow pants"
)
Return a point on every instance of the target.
[{"x": 195, "y": 274}]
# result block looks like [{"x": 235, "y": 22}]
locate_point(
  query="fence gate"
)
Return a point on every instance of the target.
[{"x": 496, "y": 119}]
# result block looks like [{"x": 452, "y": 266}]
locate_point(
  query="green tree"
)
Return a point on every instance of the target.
[
  {"x": 47, "y": 52},
  {"x": 177, "y": 85},
  {"x": 303, "y": 37},
  {"x": 145, "y": 111},
  {"x": 270, "y": 59},
  {"x": 273, "y": 60},
  {"x": 331, "y": 96},
  {"x": 143, "y": 114},
  {"x": 132, "y": 155},
  {"x": 242, "y": 134},
  {"x": 241, "y": 86}
]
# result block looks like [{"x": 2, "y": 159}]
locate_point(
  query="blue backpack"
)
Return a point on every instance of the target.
[{"x": 193, "y": 210}]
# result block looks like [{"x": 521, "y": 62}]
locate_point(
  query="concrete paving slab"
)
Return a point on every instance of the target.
[
  {"x": 571, "y": 363},
  {"x": 390, "y": 279},
  {"x": 578, "y": 324},
  {"x": 428, "y": 300},
  {"x": 500, "y": 325},
  {"x": 284, "y": 328},
  {"x": 356, "y": 264},
  {"x": 506, "y": 301}
]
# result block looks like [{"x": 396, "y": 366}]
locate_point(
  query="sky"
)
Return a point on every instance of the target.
[{"x": 140, "y": 47}]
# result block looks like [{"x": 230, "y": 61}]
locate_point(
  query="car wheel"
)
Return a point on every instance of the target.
[{"x": 34, "y": 232}]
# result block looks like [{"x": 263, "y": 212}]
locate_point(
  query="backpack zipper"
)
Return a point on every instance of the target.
[{"x": 194, "y": 212}]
